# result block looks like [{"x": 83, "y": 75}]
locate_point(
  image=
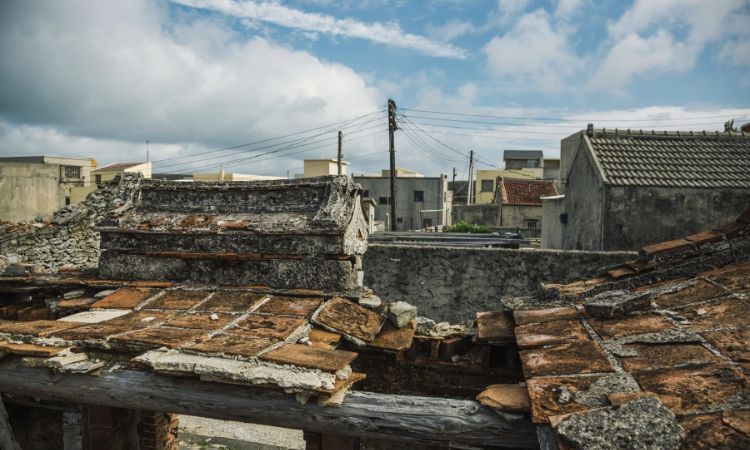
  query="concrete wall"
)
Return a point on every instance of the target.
[
  {"x": 453, "y": 283},
  {"x": 436, "y": 196},
  {"x": 514, "y": 216},
  {"x": 638, "y": 216},
  {"x": 487, "y": 215},
  {"x": 552, "y": 228},
  {"x": 28, "y": 190},
  {"x": 584, "y": 203}
]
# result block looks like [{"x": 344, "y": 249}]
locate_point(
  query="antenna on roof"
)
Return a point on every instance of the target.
[
  {"x": 590, "y": 130},
  {"x": 148, "y": 157}
]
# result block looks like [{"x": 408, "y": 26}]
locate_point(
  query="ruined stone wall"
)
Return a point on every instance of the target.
[
  {"x": 67, "y": 238},
  {"x": 453, "y": 283}
]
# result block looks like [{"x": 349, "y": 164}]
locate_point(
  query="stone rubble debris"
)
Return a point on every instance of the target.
[{"x": 401, "y": 313}]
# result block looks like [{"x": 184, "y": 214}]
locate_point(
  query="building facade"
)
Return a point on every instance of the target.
[
  {"x": 34, "y": 186},
  {"x": 421, "y": 202},
  {"x": 322, "y": 167},
  {"x": 628, "y": 189}
]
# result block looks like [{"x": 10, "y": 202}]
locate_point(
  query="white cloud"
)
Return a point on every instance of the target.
[
  {"x": 635, "y": 55},
  {"x": 510, "y": 9},
  {"x": 383, "y": 33},
  {"x": 669, "y": 36},
  {"x": 533, "y": 51},
  {"x": 104, "y": 77},
  {"x": 451, "y": 30},
  {"x": 567, "y": 8}
]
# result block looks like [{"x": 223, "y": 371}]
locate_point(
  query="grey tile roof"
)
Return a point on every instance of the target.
[
  {"x": 522, "y": 154},
  {"x": 673, "y": 159}
]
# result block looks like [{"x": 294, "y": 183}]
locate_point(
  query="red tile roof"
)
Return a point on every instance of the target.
[{"x": 525, "y": 192}]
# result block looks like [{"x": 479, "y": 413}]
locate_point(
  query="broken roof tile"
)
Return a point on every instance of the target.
[
  {"x": 505, "y": 397},
  {"x": 177, "y": 299},
  {"x": 625, "y": 326},
  {"x": 735, "y": 277},
  {"x": 494, "y": 326},
  {"x": 36, "y": 327},
  {"x": 668, "y": 247},
  {"x": 230, "y": 301},
  {"x": 160, "y": 336},
  {"x": 704, "y": 237},
  {"x": 313, "y": 358},
  {"x": 126, "y": 298},
  {"x": 393, "y": 338},
  {"x": 565, "y": 359},
  {"x": 323, "y": 338},
  {"x": 699, "y": 388},
  {"x": 550, "y": 333},
  {"x": 730, "y": 312},
  {"x": 525, "y": 316},
  {"x": 233, "y": 344},
  {"x": 734, "y": 344},
  {"x": 658, "y": 356},
  {"x": 713, "y": 431},
  {"x": 44, "y": 351},
  {"x": 357, "y": 323},
  {"x": 290, "y": 306},
  {"x": 696, "y": 291},
  {"x": 142, "y": 319},
  {"x": 261, "y": 326},
  {"x": 616, "y": 303},
  {"x": 92, "y": 332},
  {"x": 201, "y": 321},
  {"x": 552, "y": 396}
]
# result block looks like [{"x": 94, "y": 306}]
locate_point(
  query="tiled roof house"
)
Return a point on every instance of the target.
[
  {"x": 626, "y": 189},
  {"x": 520, "y": 202}
]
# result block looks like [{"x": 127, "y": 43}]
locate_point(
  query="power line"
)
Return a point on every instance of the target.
[
  {"x": 745, "y": 113},
  {"x": 544, "y": 125}
]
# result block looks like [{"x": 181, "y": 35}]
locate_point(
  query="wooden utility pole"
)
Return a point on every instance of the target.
[
  {"x": 454, "y": 177},
  {"x": 471, "y": 176},
  {"x": 392, "y": 148},
  {"x": 341, "y": 153}
]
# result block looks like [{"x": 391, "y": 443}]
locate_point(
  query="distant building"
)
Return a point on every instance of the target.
[
  {"x": 230, "y": 176},
  {"x": 32, "y": 186},
  {"x": 321, "y": 167},
  {"x": 521, "y": 202},
  {"x": 485, "y": 187},
  {"x": 550, "y": 169},
  {"x": 626, "y": 189},
  {"x": 422, "y": 202},
  {"x": 523, "y": 159},
  {"x": 110, "y": 171}
]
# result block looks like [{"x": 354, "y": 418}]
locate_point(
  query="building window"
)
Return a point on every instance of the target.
[
  {"x": 488, "y": 186},
  {"x": 71, "y": 172},
  {"x": 98, "y": 179},
  {"x": 532, "y": 163},
  {"x": 384, "y": 200},
  {"x": 67, "y": 200},
  {"x": 366, "y": 193},
  {"x": 532, "y": 224},
  {"x": 400, "y": 220},
  {"x": 426, "y": 223},
  {"x": 419, "y": 196}
]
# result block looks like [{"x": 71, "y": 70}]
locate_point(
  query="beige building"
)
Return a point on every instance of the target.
[
  {"x": 230, "y": 176},
  {"x": 486, "y": 183},
  {"x": 34, "y": 186},
  {"x": 110, "y": 171},
  {"x": 321, "y": 167}
]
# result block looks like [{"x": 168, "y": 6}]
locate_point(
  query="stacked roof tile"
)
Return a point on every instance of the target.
[{"x": 672, "y": 159}]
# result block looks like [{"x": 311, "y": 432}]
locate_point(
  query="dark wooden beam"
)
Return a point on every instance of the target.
[{"x": 440, "y": 421}]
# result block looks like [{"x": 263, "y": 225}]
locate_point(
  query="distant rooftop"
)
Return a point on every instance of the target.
[
  {"x": 525, "y": 192},
  {"x": 116, "y": 167},
  {"x": 522, "y": 154}
]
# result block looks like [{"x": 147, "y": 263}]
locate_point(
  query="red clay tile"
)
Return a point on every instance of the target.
[
  {"x": 125, "y": 298},
  {"x": 731, "y": 343},
  {"x": 94, "y": 332},
  {"x": 36, "y": 327},
  {"x": 659, "y": 356},
  {"x": 625, "y": 326},
  {"x": 179, "y": 300},
  {"x": 697, "y": 388},
  {"x": 343, "y": 315},
  {"x": 313, "y": 358},
  {"x": 505, "y": 397},
  {"x": 724, "y": 313},
  {"x": 261, "y": 326},
  {"x": 142, "y": 319},
  {"x": 566, "y": 359},
  {"x": 621, "y": 272},
  {"x": 735, "y": 277},
  {"x": 233, "y": 344},
  {"x": 150, "y": 338},
  {"x": 230, "y": 301},
  {"x": 665, "y": 248},
  {"x": 733, "y": 230},
  {"x": 711, "y": 431},
  {"x": 323, "y": 338},
  {"x": 526, "y": 316},
  {"x": 494, "y": 326},
  {"x": 550, "y": 333},
  {"x": 697, "y": 291},
  {"x": 290, "y": 306},
  {"x": 393, "y": 338},
  {"x": 704, "y": 237},
  {"x": 201, "y": 321}
]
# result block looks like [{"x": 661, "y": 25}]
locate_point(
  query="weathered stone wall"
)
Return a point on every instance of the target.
[
  {"x": 453, "y": 283},
  {"x": 67, "y": 238}
]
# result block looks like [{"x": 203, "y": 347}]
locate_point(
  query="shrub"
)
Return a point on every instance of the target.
[{"x": 462, "y": 226}]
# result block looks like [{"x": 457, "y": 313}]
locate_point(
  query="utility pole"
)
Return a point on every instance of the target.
[
  {"x": 341, "y": 152},
  {"x": 148, "y": 157},
  {"x": 454, "y": 177},
  {"x": 391, "y": 128},
  {"x": 471, "y": 176}
]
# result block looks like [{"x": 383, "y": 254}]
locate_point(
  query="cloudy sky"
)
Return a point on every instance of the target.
[{"x": 260, "y": 85}]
